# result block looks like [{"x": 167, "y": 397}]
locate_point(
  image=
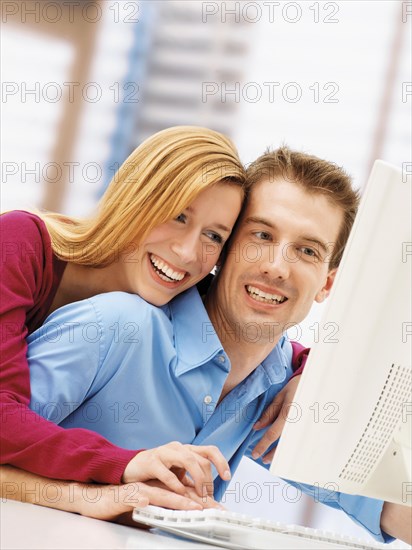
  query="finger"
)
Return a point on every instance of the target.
[
  {"x": 269, "y": 456},
  {"x": 168, "y": 499},
  {"x": 271, "y": 435},
  {"x": 200, "y": 470},
  {"x": 214, "y": 454},
  {"x": 183, "y": 457},
  {"x": 180, "y": 473},
  {"x": 141, "y": 503},
  {"x": 270, "y": 413},
  {"x": 206, "y": 502},
  {"x": 162, "y": 473},
  {"x": 187, "y": 481}
]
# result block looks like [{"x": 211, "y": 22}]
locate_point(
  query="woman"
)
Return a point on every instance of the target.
[{"x": 159, "y": 229}]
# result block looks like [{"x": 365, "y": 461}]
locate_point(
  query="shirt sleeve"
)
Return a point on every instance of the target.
[
  {"x": 27, "y": 440},
  {"x": 364, "y": 511}
]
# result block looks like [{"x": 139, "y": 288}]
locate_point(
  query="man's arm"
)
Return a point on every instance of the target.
[
  {"x": 396, "y": 521},
  {"x": 106, "y": 502}
]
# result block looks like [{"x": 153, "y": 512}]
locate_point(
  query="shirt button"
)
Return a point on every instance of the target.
[
  {"x": 207, "y": 399},
  {"x": 221, "y": 358}
]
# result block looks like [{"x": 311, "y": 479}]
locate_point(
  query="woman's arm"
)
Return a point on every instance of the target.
[{"x": 29, "y": 441}]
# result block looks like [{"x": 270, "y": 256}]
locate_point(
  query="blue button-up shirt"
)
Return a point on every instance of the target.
[{"x": 143, "y": 376}]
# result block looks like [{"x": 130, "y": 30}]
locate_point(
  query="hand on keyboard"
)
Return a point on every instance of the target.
[
  {"x": 169, "y": 464},
  {"x": 198, "y": 503}
]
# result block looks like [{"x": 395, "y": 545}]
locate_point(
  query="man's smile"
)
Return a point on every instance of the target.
[{"x": 265, "y": 296}]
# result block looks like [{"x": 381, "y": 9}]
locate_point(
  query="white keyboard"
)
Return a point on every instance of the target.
[{"x": 237, "y": 531}]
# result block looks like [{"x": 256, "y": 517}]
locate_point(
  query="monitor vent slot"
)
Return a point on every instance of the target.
[{"x": 396, "y": 392}]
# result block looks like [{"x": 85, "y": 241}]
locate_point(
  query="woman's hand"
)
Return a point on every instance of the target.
[
  {"x": 169, "y": 464},
  {"x": 277, "y": 413}
]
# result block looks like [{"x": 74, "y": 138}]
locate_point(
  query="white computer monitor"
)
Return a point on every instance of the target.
[{"x": 350, "y": 427}]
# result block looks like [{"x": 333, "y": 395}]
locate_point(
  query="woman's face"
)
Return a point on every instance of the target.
[{"x": 181, "y": 252}]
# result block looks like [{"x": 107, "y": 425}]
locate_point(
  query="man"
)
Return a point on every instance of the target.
[{"x": 204, "y": 373}]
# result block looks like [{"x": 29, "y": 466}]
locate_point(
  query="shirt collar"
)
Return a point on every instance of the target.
[{"x": 196, "y": 341}]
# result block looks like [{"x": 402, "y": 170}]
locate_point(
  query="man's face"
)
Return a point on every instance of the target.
[{"x": 278, "y": 263}]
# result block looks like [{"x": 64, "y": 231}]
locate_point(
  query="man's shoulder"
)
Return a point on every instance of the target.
[{"x": 125, "y": 306}]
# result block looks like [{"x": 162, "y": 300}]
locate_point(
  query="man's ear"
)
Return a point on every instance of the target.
[{"x": 325, "y": 290}]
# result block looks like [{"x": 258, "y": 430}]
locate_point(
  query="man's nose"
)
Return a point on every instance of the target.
[{"x": 276, "y": 262}]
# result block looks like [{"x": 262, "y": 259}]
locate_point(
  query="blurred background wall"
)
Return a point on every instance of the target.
[{"x": 83, "y": 83}]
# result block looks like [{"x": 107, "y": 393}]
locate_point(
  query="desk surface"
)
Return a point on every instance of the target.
[{"x": 30, "y": 527}]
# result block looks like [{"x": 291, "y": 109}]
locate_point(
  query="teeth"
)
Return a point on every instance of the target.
[
  {"x": 261, "y": 296},
  {"x": 165, "y": 272}
]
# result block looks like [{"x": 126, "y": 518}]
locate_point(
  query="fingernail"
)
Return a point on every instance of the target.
[
  {"x": 227, "y": 474},
  {"x": 255, "y": 455},
  {"x": 196, "y": 505},
  {"x": 266, "y": 460}
]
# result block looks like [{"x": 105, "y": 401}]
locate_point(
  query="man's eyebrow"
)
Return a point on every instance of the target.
[
  {"x": 267, "y": 223},
  {"x": 260, "y": 221}
]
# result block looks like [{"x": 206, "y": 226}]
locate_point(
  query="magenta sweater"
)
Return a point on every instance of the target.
[{"x": 29, "y": 277}]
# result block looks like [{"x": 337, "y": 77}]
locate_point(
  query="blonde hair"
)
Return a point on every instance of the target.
[{"x": 156, "y": 183}]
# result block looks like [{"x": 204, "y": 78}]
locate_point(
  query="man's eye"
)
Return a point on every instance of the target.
[
  {"x": 263, "y": 235},
  {"x": 308, "y": 251},
  {"x": 215, "y": 237},
  {"x": 181, "y": 218}
]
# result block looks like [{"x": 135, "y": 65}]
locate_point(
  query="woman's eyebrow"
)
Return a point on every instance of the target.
[
  {"x": 217, "y": 225},
  {"x": 222, "y": 227}
]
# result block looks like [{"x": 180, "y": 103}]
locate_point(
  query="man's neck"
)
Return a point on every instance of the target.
[{"x": 245, "y": 353}]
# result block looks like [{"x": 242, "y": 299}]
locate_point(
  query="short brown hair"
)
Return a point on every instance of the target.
[{"x": 315, "y": 176}]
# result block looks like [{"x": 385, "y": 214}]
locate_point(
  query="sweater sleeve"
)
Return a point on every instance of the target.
[
  {"x": 299, "y": 358},
  {"x": 27, "y": 440}
]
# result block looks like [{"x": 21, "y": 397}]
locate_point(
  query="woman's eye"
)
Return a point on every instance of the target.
[
  {"x": 263, "y": 235},
  {"x": 215, "y": 237},
  {"x": 181, "y": 218}
]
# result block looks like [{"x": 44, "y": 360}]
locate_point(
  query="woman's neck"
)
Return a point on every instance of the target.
[{"x": 81, "y": 282}]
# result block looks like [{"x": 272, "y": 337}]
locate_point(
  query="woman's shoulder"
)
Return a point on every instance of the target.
[
  {"x": 25, "y": 241},
  {"x": 19, "y": 227},
  {"x": 22, "y": 221}
]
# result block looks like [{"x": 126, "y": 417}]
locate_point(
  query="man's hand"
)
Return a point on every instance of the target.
[
  {"x": 276, "y": 413},
  {"x": 396, "y": 521},
  {"x": 169, "y": 463},
  {"x": 106, "y": 502},
  {"x": 116, "y": 502}
]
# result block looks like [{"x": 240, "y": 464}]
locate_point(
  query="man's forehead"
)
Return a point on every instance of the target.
[{"x": 271, "y": 201}]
